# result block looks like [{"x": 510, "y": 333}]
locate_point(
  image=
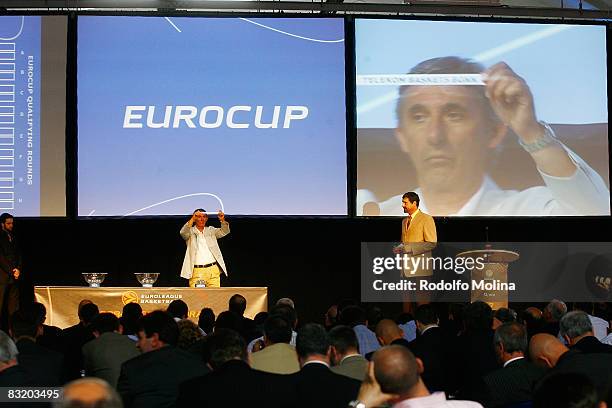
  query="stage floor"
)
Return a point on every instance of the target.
[{"x": 62, "y": 301}]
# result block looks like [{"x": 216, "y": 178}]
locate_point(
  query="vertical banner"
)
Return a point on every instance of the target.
[{"x": 20, "y": 114}]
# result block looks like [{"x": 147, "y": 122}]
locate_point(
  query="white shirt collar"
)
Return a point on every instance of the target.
[
  {"x": 429, "y": 327},
  {"x": 316, "y": 362},
  {"x": 512, "y": 359},
  {"x": 350, "y": 355},
  {"x": 437, "y": 399}
]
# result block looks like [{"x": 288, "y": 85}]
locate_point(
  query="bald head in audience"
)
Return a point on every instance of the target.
[
  {"x": 397, "y": 371},
  {"x": 388, "y": 331},
  {"x": 534, "y": 312},
  {"x": 545, "y": 350},
  {"x": 90, "y": 392}
]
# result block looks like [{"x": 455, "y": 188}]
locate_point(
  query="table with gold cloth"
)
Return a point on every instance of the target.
[{"x": 62, "y": 301}]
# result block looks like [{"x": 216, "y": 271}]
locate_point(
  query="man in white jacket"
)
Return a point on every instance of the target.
[{"x": 203, "y": 260}]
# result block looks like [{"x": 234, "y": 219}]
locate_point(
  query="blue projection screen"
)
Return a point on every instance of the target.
[
  {"x": 457, "y": 145},
  {"x": 243, "y": 115}
]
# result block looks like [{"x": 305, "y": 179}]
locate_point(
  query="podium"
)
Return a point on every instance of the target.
[{"x": 495, "y": 271}]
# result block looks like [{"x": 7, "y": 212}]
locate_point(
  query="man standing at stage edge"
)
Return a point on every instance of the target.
[
  {"x": 10, "y": 269},
  {"x": 203, "y": 260},
  {"x": 419, "y": 236}
]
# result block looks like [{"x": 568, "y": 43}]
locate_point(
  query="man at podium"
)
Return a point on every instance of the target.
[{"x": 203, "y": 260}]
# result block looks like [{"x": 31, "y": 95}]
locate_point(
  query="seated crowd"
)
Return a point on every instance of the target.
[{"x": 457, "y": 355}]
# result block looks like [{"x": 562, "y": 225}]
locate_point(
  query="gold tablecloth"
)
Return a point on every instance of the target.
[{"x": 62, "y": 301}]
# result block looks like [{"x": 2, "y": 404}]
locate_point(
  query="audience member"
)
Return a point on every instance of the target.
[
  {"x": 259, "y": 320},
  {"x": 313, "y": 349},
  {"x": 373, "y": 316},
  {"x": 345, "y": 356},
  {"x": 103, "y": 356},
  {"x": 178, "y": 309},
  {"x": 566, "y": 390},
  {"x": 11, "y": 373},
  {"x": 455, "y": 324},
  {"x": 152, "y": 378},
  {"x": 206, "y": 320},
  {"x": 389, "y": 333},
  {"x": 503, "y": 315},
  {"x": 228, "y": 320},
  {"x": 600, "y": 326},
  {"x": 431, "y": 346},
  {"x": 531, "y": 317},
  {"x": 189, "y": 334},
  {"x": 355, "y": 317},
  {"x": 577, "y": 330},
  {"x": 130, "y": 316},
  {"x": 286, "y": 312},
  {"x": 394, "y": 378},
  {"x": 548, "y": 351},
  {"x": 74, "y": 337},
  {"x": 237, "y": 304},
  {"x": 475, "y": 355},
  {"x": 514, "y": 382},
  {"x": 278, "y": 356},
  {"x": 43, "y": 366},
  {"x": 552, "y": 314},
  {"x": 406, "y": 322},
  {"x": 286, "y": 301},
  {"x": 89, "y": 393},
  {"x": 232, "y": 383},
  {"x": 51, "y": 336}
]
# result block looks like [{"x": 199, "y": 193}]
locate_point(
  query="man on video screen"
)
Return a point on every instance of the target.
[{"x": 451, "y": 133}]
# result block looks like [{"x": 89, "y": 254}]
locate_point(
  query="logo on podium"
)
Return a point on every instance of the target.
[{"x": 129, "y": 297}]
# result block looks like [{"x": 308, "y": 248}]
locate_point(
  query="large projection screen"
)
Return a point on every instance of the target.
[
  {"x": 241, "y": 115},
  {"x": 457, "y": 145},
  {"x": 33, "y": 115}
]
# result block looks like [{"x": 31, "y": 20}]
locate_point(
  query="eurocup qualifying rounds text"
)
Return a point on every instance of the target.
[{"x": 411, "y": 264}]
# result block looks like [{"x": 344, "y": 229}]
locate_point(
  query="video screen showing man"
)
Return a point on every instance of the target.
[{"x": 462, "y": 140}]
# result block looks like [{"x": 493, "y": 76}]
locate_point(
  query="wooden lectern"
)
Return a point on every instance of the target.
[{"x": 495, "y": 271}]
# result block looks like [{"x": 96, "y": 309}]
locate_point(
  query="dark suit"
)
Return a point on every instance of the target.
[
  {"x": 51, "y": 338},
  {"x": 317, "y": 386},
  {"x": 43, "y": 366},
  {"x": 431, "y": 348},
  {"x": 248, "y": 330},
  {"x": 400, "y": 342},
  {"x": 152, "y": 379},
  {"x": 511, "y": 384},
  {"x": 102, "y": 357},
  {"x": 590, "y": 344},
  {"x": 551, "y": 328},
  {"x": 15, "y": 376},
  {"x": 9, "y": 260},
  {"x": 475, "y": 358},
  {"x": 235, "y": 384},
  {"x": 73, "y": 338},
  {"x": 596, "y": 366}
]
